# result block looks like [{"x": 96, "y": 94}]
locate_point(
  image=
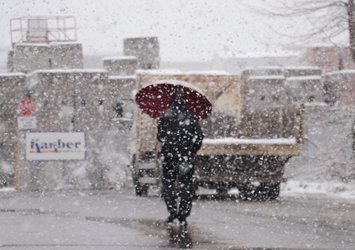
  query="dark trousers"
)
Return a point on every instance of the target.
[{"x": 177, "y": 187}]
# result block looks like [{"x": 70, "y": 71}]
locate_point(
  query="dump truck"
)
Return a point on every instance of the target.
[{"x": 243, "y": 148}]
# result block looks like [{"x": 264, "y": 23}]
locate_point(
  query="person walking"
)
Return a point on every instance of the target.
[{"x": 181, "y": 137}]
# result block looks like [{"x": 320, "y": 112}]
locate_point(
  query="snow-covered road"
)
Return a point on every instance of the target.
[{"x": 120, "y": 220}]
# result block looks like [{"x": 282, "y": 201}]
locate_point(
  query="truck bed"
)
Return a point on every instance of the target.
[{"x": 247, "y": 146}]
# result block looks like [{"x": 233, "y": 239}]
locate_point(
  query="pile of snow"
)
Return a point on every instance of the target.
[
  {"x": 341, "y": 72},
  {"x": 238, "y": 141},
  {"x": 304, "y": 78},
  {"x": 327, "y": 154},
  {"x": 158, "y": 72},
  {"x": 67, "y": 71},
  {"x": 299, "y": 188},
  {"x": 7, "y": 189},
  {"x": 180, "y": 72},
  {"x": 5, "y": 167},
  {"x": 119, "y": 58},
  {"x": 122, "y": 77},
  {"x": 12, "y": 74},
  {"x": 333, "y": 189}
]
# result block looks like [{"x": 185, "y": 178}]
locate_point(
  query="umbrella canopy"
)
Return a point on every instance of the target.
[{"x": 155, "y": 98}]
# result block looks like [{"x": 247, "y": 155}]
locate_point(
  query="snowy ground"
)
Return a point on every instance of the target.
[
  {"x": 120, "y": 220},
  {"x": 296, "y": 188},
  {"x": 330, "y": 189},
  {"x": 293, "y": 188}
]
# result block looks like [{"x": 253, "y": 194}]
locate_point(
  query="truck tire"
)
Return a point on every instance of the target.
[
  {"x": 269, "y": 191},
  {"x": 141, "y": 190},
  {"x": 247, "y": 192},
  {"x": 263, "y": 192}
]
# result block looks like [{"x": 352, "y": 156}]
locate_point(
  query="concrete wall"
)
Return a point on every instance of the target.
[
  {"x": 327, "y": 152},
  {"x": 239, "y": 64},
  {"x": 263, "y": 71},
  {"x": 12, "y": 90},
  {"x": 146, "y": 49},
  {"x": 121, "y": 93},
  {"x": 10, "y": 61},
  {"x": 30, "y": 57},
  {"x": 276, "y": 87},
  {"x": 66, "y": 56},
  {"x": 104, "y": 168},
  {"x": 329, "y": 59},
  {"x": 77, "y": 100},
  {"x": 265, "y": 91},
  {"x": 70, "y": 100},
  {"x": 302, "y": 71},
  {"x": 340, "y": 88},
  {"x": 303, "y": 89},
  {"x": 90, "y": 101},
  {"x": 53, "y": 93},
  {"x": 120, "y": 65}
]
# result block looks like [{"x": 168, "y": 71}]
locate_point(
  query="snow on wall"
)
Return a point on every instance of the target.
[
  {"x": 237, "y": 141},
  {"x": 304, "y": 78},
  {"x": 119, "y": 58},
  {"x": 79, "y": 100},
  {"x": 329, "y": 188},
  {"x": 327, "y": 152},
  {"x": 271, "y": 77},
  {"x": 130, "y": 77}
]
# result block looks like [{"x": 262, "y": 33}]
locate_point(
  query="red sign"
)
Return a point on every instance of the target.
[{"x": 27, "y": 107}]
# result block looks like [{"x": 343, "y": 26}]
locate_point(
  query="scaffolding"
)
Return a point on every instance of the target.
[{"x": 43, "y": 29}]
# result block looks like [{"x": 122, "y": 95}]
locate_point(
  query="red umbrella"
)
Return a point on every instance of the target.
[{"x": 155, "y": 98}]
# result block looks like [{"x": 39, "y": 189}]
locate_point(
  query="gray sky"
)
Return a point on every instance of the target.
[{"x": 187, "y": 30}]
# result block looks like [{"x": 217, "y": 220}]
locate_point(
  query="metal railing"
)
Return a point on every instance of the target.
[{"x": 43, "y": 29}]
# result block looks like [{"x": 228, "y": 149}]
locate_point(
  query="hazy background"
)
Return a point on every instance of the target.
[{"x": 197, "y": 30}]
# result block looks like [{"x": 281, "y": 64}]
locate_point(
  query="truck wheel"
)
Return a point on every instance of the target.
[
  {"x": 268, "y": 191},
  {"x": 141, "y": 190},
  {"x": 247, "y": 192},
  {"x": 274, "y": 191},
  {"x": 263, "y": 192}
]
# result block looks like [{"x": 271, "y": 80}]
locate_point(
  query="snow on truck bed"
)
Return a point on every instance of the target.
[
  {"x": 238, "y": 141},
  {"x": 249, "y": 146}
]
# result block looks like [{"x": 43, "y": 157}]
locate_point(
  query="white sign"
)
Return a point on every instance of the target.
[
  {"x": 55, "y": 146},
  {"x": 26, "y": 122}
]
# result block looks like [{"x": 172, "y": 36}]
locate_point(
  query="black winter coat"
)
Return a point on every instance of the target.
[{"x": 180, "y": 134}]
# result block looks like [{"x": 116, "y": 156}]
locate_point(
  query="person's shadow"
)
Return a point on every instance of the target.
[{"x": 179, "y": 237}]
